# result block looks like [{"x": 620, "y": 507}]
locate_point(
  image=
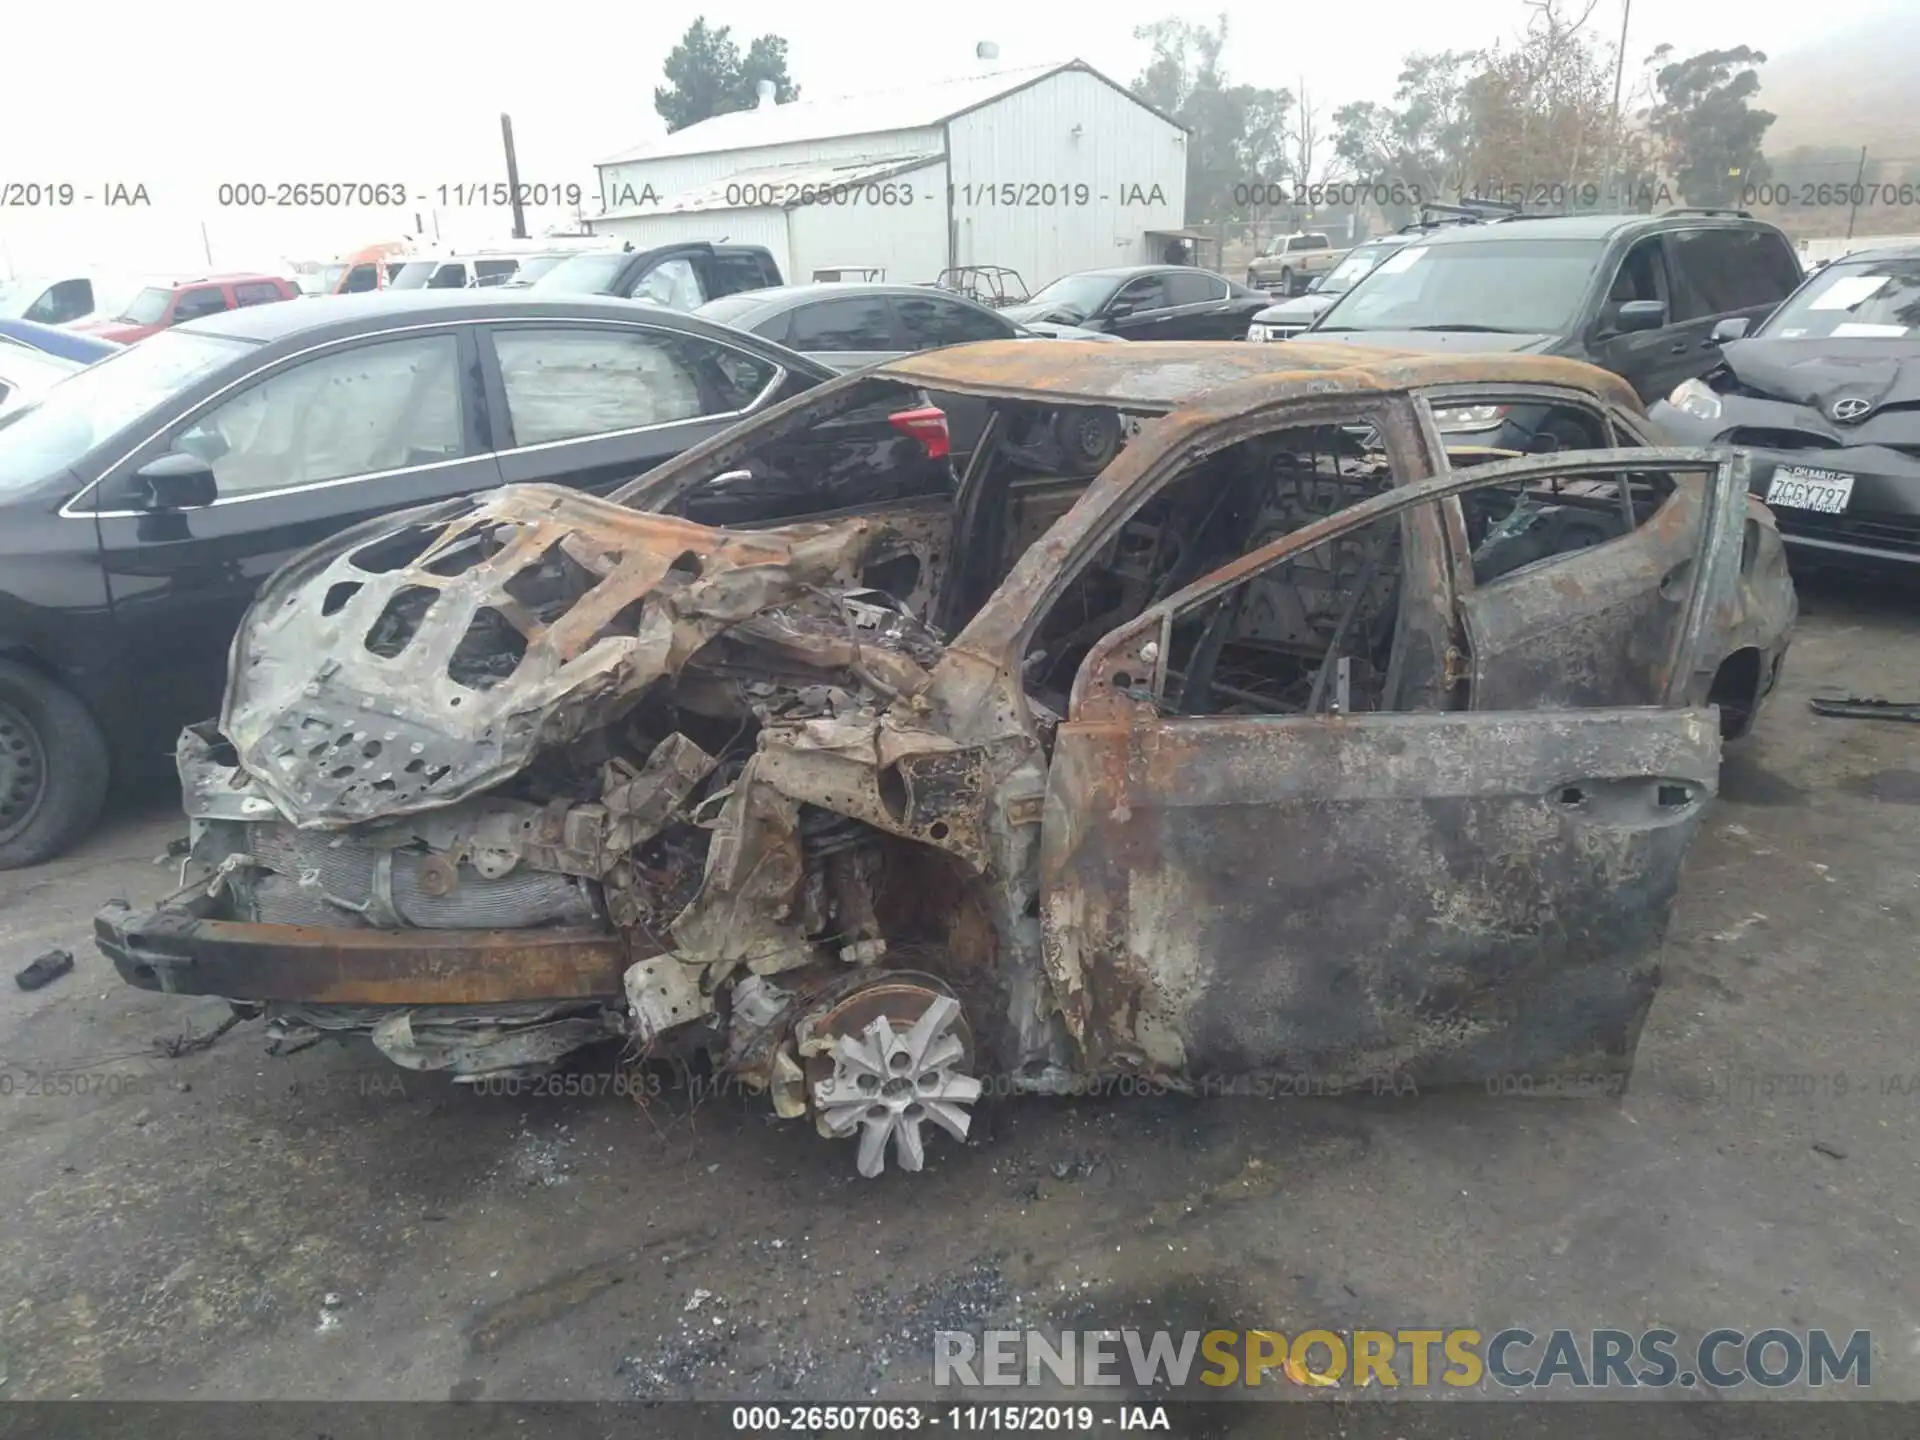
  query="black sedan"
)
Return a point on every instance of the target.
[
  {"x": 144, "y": 500},
  {"x": 849, "y": 326},
  {"x": 1826, "y": 396},
  {"x": 1147, "y": 302}
]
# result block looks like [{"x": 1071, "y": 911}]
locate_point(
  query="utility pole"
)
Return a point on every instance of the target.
[
  {"x": 207, "y": 244},
  {"x": 1619, "y": 71},
  {"x": 513, "y": 179},
  {"x": 1853, "y": 197}
]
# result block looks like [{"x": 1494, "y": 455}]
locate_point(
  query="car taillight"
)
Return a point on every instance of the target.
[{"x": 928, "y": 426}]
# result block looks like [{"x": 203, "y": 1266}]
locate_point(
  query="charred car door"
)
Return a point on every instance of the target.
[
  {"x": 1579, "y": 573},
  {"x": 1347, "y": 891}
]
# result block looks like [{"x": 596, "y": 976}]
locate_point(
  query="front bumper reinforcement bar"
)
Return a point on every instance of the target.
[{"x": 177, "y": 951}]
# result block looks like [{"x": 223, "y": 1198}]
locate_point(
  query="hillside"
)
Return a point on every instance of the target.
[{"x": 1851, "y": 86}]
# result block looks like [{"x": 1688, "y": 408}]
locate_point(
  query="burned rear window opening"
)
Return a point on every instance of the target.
[{"x": 1196, "y": 767}]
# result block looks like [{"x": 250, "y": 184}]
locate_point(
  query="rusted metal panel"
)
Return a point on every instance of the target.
[
  {"x": 178, "y": 952},
  {"x": 1596, "y": 633},
  {"x": 1712, "y": 584},
  {"x": 1445, "y": 898},
  {"x": 998, "y": 633},
  {"x": 1159, "y": 374},
  {"x": 1096, "y": 693}
]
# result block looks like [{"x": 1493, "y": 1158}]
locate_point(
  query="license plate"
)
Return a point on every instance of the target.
[{"x": 1800, "y": 488}]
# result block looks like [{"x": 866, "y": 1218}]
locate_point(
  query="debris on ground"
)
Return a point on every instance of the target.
[
  {"x": 1864, "y": 707},
  {"x": 175, "y": 1047},
  {"x": 1078, "y": 1166},
  {"x": 1829, "y": 1149},
  {"x": 44, "y": 969}
]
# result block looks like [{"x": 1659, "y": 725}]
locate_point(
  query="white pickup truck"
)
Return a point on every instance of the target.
[{"x": 1290, "y": 262}]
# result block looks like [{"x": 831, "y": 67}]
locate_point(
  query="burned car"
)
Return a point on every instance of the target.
[{"x": 1288, "y": 744}]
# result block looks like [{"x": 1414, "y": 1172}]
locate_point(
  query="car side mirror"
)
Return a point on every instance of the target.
[
  {"x": 176, "y": 481},
  {"x": 1732, "y": 328},
  {"x": 1115, "y": 309},
  {"x": 1638, "y": 315}
]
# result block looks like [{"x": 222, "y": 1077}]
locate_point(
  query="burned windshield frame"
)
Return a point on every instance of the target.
[{"x": 665, "y": 488}]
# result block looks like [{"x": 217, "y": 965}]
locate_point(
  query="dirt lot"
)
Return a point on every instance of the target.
[{"x": 323, "y": 1225}]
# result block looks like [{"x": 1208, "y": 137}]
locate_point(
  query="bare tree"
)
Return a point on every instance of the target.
[
  {"x": 1304, "y": 138},
  {"x": 1542, "y": 122}
]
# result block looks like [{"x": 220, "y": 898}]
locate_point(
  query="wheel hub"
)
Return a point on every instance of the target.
[
  {"x": 23, "y": 772},
  {"x": 903, "y": 1067},
  {"x": 1089, "y": 436}
]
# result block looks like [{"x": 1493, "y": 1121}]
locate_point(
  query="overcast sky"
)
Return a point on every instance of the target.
[{"x": 180, "y": 97}]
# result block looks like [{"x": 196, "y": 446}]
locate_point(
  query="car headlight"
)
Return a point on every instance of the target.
[
  {"x": 1695, "y": 398},
  {"x": 1470, "y": 417},
  {"x": 1258, "y": 332}
]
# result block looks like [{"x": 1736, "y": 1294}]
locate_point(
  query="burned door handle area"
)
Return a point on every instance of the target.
[{"x": 1614, "y": 801}]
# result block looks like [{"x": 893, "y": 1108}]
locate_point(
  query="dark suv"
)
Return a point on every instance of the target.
[
  {"x": 681, "y": 277},
  {"x": 1635, "y": 294}
]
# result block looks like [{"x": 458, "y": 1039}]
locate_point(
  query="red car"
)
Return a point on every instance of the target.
[{"x": 159, "y": 306}]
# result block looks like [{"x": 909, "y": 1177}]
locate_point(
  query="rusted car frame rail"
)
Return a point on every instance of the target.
[{"x": 184, "y": 954}]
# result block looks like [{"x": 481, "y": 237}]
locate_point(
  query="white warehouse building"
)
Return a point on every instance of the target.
[{"x": 1045, "y": 170}]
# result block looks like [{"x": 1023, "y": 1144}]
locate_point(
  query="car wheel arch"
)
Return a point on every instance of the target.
[
  {"x": 1736, "y": 691},
  {"x": 71, "y": 778}
]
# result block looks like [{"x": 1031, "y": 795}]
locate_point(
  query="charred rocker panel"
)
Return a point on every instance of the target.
[{"x": 1445, "y": 897}]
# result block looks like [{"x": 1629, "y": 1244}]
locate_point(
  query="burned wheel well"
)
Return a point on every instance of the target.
[
  {"x": 1736, "y": 690},
  {"x": 938, "y": 917}
]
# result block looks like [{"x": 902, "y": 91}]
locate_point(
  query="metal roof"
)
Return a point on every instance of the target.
[
  {"x": 1162, "y": 375},
  {"x": 920, "y": 106},
  {"x": 1197, "y": 381},
  {"x": 768, "y": 187}
]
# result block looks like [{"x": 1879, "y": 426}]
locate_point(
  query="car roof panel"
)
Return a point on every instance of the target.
[{"x": 1159, "y": 376}]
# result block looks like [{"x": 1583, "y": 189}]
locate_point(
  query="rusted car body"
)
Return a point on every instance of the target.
[{"x": 1287, "y": 745}]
